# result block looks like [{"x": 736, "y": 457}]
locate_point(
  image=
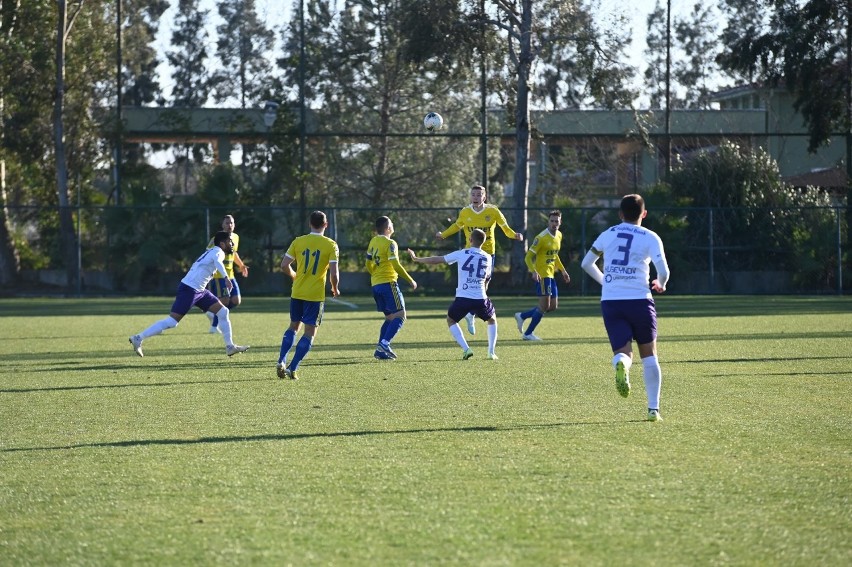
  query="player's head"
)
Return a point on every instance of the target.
[
  {"x": 228, "y": 223},
  {"x": 223, "y": 236},
  {"x": 477, "y": 195},
  {"x": 632, "y": 208},
  {"x": 383, "y": 224},
  {"x": 477, "y": 237},
  {"x": 554, "y": 220},
  {"x": 318, "y": 220}
]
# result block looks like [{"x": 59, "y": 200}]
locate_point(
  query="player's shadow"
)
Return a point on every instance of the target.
[{"x": 298, "y": 436}]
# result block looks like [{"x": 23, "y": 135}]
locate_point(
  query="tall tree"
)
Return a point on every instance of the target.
[
  {"x": 188, "y": 56},
  {"x": 697, "y": 37},
  {"x": 243, "y": 47},
  {"x": 139, "y": 62},
  {"x": 655, "y": 56},
  {"x": 188, "y": 59},
  {"x": 358, "y": 67},
  {"x": 806, "y": 47},
  {"x": 693, "y": 48}
]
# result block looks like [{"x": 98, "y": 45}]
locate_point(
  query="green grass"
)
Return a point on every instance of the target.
[{"x": 187, "y": 457}]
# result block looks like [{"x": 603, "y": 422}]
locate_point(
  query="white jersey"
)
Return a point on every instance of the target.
[
  {"x": 474, "y": 265},
  {"x": 628, "y": 251},
  {"x": 201, "y": 272}
]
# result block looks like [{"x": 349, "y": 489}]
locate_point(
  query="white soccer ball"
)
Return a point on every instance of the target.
[{"x": 433, "y": 121}]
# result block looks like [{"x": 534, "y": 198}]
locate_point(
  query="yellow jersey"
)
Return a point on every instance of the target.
[
  {"x": 229, "y": 258},
  {"x": 313, "y": 254},
  {"x": 485, "y": 220},
  {"x": 543, "y": 254},
  {"x": 383, "y": 262}
]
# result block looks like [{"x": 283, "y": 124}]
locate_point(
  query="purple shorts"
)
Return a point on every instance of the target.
[
  {"x": 461, "y": 306},
  {"x": 627, "y": 320},
  {"x": 187, "y": 297}
]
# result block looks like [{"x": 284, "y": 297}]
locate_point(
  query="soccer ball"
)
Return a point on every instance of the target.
[{"x": 433, "y": 121}]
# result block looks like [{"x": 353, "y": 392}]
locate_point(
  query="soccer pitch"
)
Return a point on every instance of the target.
[{"x": 188, "y": 457}]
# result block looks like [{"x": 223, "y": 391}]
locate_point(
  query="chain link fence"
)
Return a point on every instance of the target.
[{"x": 146, "y": 250}]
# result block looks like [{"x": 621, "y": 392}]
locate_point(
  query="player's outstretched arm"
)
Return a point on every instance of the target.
[{"x": 427, "y": 259}]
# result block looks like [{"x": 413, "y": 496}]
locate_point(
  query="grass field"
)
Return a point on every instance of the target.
[{"x": 187, "y": 457}]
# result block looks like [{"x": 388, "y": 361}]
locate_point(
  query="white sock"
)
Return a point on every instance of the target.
[
  {"x": 653, "y": 377},
  {"x": 225, "y": 325},
  {"x": 209, "y": 315},
  {"x": 456, "y": 332},
  {"x": 159, "y": 327},
  {"x": 492, "y": 337},
  {"x": 622, "y": 357}
]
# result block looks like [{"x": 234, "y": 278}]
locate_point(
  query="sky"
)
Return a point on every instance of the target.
[{"x": 277, "y": 12}]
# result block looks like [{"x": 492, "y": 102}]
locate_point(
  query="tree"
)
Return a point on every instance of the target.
[
  {"x": 805, "y": 47},
  {"x": 697, "y": 37},
  {"x": 66, "y": 220},
  {"x": 655, "y": 56},
  {"x": 744, "y": 188},
  {"x": 693, "y": 51},
  {"x": 243, "y": 46},
  {"x": 358, "y": 67},
  {"x": 188, "y": 58}
]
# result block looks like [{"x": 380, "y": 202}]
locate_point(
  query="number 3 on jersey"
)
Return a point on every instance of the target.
[{"x": 625, "y": 248}]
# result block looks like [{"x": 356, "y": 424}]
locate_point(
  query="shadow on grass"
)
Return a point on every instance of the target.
[{"x": 298, "y": 436}]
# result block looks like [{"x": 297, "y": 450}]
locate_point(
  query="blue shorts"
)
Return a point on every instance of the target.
[
  {"x": 186, "y": 298},
  {"x": 388, "y": 298},
  {"x": 546, "y": 288},
  {"x": 461, "y": 306},
  {"x": 307, "y": 312},
  {"x": 629, "y": 319},
  {"x": 217, "y": 286}
]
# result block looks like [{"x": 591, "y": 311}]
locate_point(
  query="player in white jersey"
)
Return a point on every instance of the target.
[
  {"x": 628, "y": 308},
  {"x": 474, "y": 267},
  {"x": 192, "y": 291}
]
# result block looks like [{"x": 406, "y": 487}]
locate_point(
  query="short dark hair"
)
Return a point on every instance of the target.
[
  {"x": 555, "y": 212},
  {"x": 318, "y": 219},
  {"x": 632, "y": 207},
  {"x": 477, "y": 237},
  {"x": 382, "y": 224},
  {"x": 220, "y": 237}
]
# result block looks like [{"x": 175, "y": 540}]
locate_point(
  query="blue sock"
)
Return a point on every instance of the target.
[
  {"x": 302, "y": 348},
  {"x": 528, "y": 314},
  {"x": 383, "y": 330},
  {"x": 534, "y": 321},
  {"x": 286, "y": 344},
  {"x": 393, "y": 328}
]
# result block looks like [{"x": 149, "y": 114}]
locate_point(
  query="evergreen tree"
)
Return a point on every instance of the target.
[
  {"x": 243, "y": 46},
  {"x": 358, "y": 68},
  {"x": 188, "y": 59},
  {"x": 188, "y": 56},
  {"x": 697, "y": 39},
  {"x": 655, "y": 57}
]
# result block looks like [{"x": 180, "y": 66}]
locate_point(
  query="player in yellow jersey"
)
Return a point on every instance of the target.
[
  {"x": 484, "y": 217},
  {"x": 229, "y": 298},
  {"x": 543, "y": 261},
  {"x": 385, "y": 269},
  {"x": 316, "y": 258}
]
